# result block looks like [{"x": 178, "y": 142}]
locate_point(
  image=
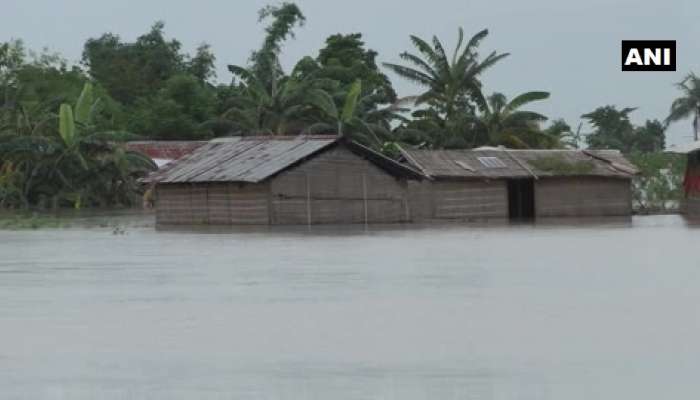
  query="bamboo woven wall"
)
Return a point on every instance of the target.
[
  {"x": 340, "y": 187},
  {"x": 336, "y": 186},
  {"x": 212, "y": 203},
  {"x": 332, "y": 188},
  {"x": 473, "y": 199},
  {"x": 582, "y": 197}
]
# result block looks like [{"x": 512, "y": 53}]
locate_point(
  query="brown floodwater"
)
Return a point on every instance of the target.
[{"x": 567, "y": 310}]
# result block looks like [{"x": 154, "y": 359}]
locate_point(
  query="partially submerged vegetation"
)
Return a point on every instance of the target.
[
  {"x": 117, "y": 221},
  {"x": 659, "y": 186},
  {"x": 20, "y": 221}
]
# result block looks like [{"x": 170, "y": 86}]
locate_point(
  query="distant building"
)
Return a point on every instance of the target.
[
  {"x": 331, "y": 180},
  {"x": 164, "y": 151}
]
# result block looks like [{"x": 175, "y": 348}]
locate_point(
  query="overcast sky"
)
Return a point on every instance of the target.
[{"x": 570, "y": 48}]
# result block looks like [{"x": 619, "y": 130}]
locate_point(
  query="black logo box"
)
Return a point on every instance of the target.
[{"x": 640, "y": 45}]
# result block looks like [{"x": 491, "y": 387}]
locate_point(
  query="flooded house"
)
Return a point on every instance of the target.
[
  {"x": 690, "y": 203},
  {"x": 489, "y": 183},
  {"x": 332, "y": 180},
  {"x": 282, "y": 180}
]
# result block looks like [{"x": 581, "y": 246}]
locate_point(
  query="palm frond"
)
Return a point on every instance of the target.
[
  {"x": 410, "y": 74},
  {"x": 525, "y": 98}
]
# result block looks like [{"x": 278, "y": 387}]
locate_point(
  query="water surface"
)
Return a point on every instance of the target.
[{"x": 554, "y": 311}]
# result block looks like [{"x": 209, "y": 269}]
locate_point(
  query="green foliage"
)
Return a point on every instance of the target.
[
  {"x": 264, "y": 62},
  {"x": 280, "y": 108},
  {"x": 61, "y": 125},
  {"x": 163, "y": 93},
  {"x": 502, "y": 122},
  {"x": 559, "y": 135},
  {"x": 452, "y": 86},
  {"x": 201, "y": 66},
  {"x": 345, "y": 60},
  {"x": 613, "y": 130},
  {"x": 351, "y": 102},
  {"x": 560, "y": 166},
  {"x": 84, "y": 105},
  {"x": 20, "y": 221},
  {"x": 178, "y": 111},
  {"x": 130, "y": 71},
  {"x": 688, "y": 105},
  {"x": 659, "y": 185},
  {"x": 66, "y": 125},
  {"x": 71, "y": 163}
]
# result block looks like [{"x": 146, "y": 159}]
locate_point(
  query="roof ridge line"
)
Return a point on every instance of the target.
[
  {"x": 413, "y": 161},
  {"x": 520, "y": 163}
]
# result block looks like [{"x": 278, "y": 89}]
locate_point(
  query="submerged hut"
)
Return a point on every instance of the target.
[
  {"x": 690, "y": 203},
  {"x": 282, "y": 180},
  {"x": 503, "y": 183},
  {"x": 328, "y": 179}
]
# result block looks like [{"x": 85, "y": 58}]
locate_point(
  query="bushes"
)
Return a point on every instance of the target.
[{"x": 659, "y": 185}]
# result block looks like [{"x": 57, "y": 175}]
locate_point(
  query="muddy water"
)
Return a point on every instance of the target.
[{"x": 564, "y": 311}]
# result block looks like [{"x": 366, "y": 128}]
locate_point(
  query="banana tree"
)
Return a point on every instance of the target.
[
  {"x": 91, "y": 162},
  {"x": 355, "y": 119}
]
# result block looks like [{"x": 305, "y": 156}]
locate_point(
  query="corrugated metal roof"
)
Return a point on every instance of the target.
[
  {"x": 242, "y": 159},
  {"x": 254, "y": 159},
  {"x": 457, "y": 164},
  {"x": 462, "y": 164}
]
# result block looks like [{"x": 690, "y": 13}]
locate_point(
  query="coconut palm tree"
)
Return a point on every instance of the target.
[
  {"x": 502, "y": 122},
  {"x": 451, "y": 85},
  {"x": 688, "y": 105}
]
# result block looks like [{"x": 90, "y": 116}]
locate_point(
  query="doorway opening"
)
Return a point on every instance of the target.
[{"x": 521, "y": 199}]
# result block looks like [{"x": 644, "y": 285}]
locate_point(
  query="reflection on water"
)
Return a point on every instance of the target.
[{"x": 552, "y": 310}]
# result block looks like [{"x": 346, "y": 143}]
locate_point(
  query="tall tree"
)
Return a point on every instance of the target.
[
  {"x": 688, "y": 105},
  {"x": 452, "y": 84},
  {"x": 201, "y": 66},
  {"x": 177, "y": 111},
  {"x": 263, "y": 99},
  {"x": 651, "y": 137},
  {"x": 264, "y": 62},
  {"x": 612, "y": 128},
  {"x": 344, "y": 59},
  {"x": 132, "y": 70}
]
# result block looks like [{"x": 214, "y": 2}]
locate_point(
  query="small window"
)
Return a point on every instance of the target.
[{"x": 491, "y": 162}]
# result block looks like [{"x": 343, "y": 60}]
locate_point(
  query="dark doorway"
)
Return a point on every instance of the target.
[{"x": 521, "y": 199}]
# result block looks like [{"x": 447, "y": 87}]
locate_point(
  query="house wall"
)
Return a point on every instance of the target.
[
  {"x": 331, "y": 188},
  {"x": 212, "y": 203},
  {"x": 582, "y": 197},
  {"x": 690, "y": 206},
  {"x": 468, "y": 199}
]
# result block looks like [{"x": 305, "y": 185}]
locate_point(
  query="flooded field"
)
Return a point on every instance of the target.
[{"x": 553, "y": 311}]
